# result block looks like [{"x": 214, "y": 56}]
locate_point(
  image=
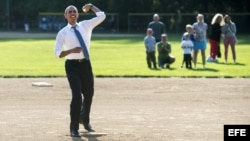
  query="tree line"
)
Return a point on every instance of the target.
[{"x": 21, "y": 9}]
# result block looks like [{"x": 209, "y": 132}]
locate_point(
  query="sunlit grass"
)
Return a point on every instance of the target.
[{"x": 113, "y": 57}]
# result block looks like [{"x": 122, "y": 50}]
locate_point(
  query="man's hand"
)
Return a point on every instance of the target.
[
  {"x": 76, "y": 50},
  {"x": 67, "y": 52},
  {"x": 87, "y": 7}
]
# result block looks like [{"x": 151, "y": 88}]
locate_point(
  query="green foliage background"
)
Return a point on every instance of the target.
[{"x": 21, "y": 9}]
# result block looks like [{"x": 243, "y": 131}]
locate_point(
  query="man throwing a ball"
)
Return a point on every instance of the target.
[{"x": 73, "y": 43}]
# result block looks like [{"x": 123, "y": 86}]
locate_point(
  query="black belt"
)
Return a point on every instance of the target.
[{"x": 77, "y": 60}]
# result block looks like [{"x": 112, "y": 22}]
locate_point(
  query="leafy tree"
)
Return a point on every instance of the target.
[{"x": 31, "y": 8}]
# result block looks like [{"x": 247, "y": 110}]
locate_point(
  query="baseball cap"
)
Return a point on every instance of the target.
[{"x": 164, "y": 35}]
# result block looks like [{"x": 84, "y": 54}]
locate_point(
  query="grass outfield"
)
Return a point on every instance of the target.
[{"x": 114, "y": 56}]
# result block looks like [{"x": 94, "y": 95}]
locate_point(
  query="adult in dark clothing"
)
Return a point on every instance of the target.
[
  {"x": 214, "y": 37},
  {"x": 158, "y": 27}
]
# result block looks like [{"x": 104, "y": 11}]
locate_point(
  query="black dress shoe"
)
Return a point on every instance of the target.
[
  {"x": 74, "y": 133},
  {"x": 88, "y": 127}
]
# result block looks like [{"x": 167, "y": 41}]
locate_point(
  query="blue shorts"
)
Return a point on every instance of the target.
[{"x": 200, "y": 45}]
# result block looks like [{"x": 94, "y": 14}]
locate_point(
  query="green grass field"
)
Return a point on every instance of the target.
[{"x": 114, "y": 56}]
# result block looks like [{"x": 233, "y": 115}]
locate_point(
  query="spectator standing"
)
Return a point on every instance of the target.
[
  {"x": 190, "y": 31},
  {"x": 200, "y": 29},
  {"x": 164, "y": 49},
  {"x": 187, "y": 46},
  {"x": 26, "y": 24},
  {"x": 149, "y": 42},
  {"x": 214, "y": 37},
  {"x": 229, "y": 32},
  {"x": 157, "y": 26},
  {"x": 43, "y": 24}
]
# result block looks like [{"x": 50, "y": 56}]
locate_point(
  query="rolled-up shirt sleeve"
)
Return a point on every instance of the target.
[
  {"x": 100, "y": 17},
  {"x": 58, "y": 45}
]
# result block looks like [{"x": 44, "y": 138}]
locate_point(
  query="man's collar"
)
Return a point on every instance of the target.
[{"x": 69, "y": 25}]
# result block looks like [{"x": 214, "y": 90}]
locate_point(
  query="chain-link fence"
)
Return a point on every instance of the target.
[
  {"x": 136, "y": 22},
  {"x": 175, "y": 23},
  {"x": 55, "y": 21}
]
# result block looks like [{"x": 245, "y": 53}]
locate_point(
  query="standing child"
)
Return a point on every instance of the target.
[
  {"x": 190, "y": 30},
  {"x": 187, "y": 46},
  {"x": 150, "y": 42}
]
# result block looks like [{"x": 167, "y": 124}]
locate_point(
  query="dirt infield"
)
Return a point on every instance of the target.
[{"x": 126, "y": 109}]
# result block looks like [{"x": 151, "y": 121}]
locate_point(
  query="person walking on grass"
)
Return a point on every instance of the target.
[{"x": 73, "y": 43}]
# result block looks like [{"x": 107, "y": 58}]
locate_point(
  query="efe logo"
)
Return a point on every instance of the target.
[{"x": 236, "y": 132}]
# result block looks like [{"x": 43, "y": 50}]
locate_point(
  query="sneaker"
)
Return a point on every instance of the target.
[
  {"x": 209, "y": 59},
  {"x": 161, "y": 67},
  {"x": 216, "y": 61}
]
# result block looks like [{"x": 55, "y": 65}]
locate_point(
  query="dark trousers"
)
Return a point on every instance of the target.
[
  {"x": 151, "y": 59},
  {"x": 187, "y": 59},
  {"x": 81, "y": 81},
  {"x": 166, "y": 60}
]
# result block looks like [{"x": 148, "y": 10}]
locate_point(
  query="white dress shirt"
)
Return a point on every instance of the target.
[{"x": 66, "y": 38}]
